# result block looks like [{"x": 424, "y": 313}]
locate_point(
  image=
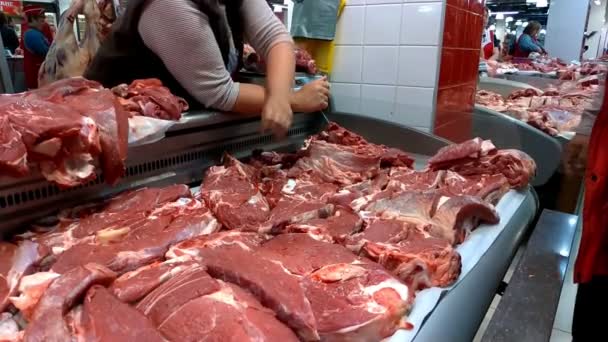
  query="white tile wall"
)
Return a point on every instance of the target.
[
  {"x": 347, "y": 97},
  {"x": 348, "y": 70},
  {"x": 414, "y": 69},
  {"x": 378, "y": 100},
  {"x": 387, "y": 58},
  {"x": 421, "y": 23},
  {"x": 380, "y": 64},
  {"x": 414, "y": 106},
  {"x": 378, "y": 21},
  {"x": 350, "y": 26}
]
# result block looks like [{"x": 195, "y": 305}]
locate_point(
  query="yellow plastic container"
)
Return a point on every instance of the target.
[{"x": 321, "y": 50}]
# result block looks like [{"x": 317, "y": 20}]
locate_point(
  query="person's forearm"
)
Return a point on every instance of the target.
[
  {"x": 252, "y": 97},
  {"x": 280, "y": 69},
  {"x": 495, "y": 55}
]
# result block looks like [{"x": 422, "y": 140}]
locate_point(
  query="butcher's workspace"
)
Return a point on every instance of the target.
[{"x": 289, "y": 170}]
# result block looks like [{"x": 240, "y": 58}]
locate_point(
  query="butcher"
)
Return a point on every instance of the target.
[
  {"x": 194, "y": 46},
  {"x": 588, "y": 148},
  {"x": 489, "y": 44},
  {"x": 528, "y": 41},
  {"x": 36, "y": 41}
]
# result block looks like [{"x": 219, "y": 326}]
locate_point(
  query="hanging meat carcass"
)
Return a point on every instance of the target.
[{"x": 69, "y": 57}]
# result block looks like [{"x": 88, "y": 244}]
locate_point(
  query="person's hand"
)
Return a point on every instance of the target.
[
  {"x": 312, "y": 97},
  {"x": 277, "y": 115},
  {"x": 574, "y": 157}
]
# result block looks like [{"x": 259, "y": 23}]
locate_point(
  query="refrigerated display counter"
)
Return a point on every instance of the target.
[{"x": 201, "y": 138}]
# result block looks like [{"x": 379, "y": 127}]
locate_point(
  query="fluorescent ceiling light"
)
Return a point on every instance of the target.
[
  {"x": 531, "y": 1},
  {"x": 500, "y": 16},
  {"x": 542, "y": 3},
  {"x": 597, "y": 2},
  {"x": 543, "y": 31}
]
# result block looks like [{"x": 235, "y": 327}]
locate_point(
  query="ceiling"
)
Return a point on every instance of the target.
[{"x": 526, "y": 11}]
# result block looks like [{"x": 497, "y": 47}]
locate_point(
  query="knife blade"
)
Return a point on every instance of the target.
[{"x": 324, "y": 116}]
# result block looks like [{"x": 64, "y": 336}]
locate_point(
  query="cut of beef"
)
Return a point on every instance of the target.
[
  {"x": 305, "y": 187},
  {"x": 293, "y": 210},
  {"x": 348, "y": 195},
  {"x": 336, "y": 134},
  {"x": 150, "y": 98},
  {"x": 490, "y": 188},
  {"x": 17, "y": 261},
  {"x": 339, "y": 164},
  {"x": 450, "y": 218},
  {"x": 113, "y": 124},
  {"x": 352, "y": 299},
  {"x": 419, "y": 260},
  {"x": 106, "y": 319},
  {"x": 56, "y": 136},
  {"x": 133, "y": 286},
  {"x": 477, "y": 157},
  {"x": 126, "y": 248},
  {"x": 192, "y": 247},
  {"x": 31, "y": 289},
  {"x": 232, "y": 194},
  {"x": 189, "y": 307},
  {"x": 48, "y": 323},
  {"x": 125, "y": 210},
  {"x": 335, "y": 228},
  {"x": 269, "y": 281}
]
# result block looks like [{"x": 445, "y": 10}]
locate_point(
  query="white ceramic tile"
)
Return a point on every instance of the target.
[
  {"x": 414, "y": 106},
  {"x": 355, "y": 2},
  {"x": 484, "y": 325},
  {"x": 377, "y": 101},
  {"x": 349, "y": 30},
  {"x": 560, "y": 336},
  {"x": 418, "y": 66},
  {"x": 382, "y": 24},
  {"x": 421, "y": 23},
  {"x": 380, "y": 64},
  {"x": 346, "y": 97},
  {"x": 347, "y": 64},
  {"x": 376, "y": 2}
]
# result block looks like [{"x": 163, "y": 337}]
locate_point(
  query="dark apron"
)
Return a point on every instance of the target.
[{"x": 123, "y": 56}]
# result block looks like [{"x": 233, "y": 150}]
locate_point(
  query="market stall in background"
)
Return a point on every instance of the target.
[{"x": 426, "y": 192}]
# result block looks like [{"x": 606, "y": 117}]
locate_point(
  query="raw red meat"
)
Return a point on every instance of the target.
[
  {"x": 232, "y": 194},
  {"x": 133, "y": 286},
  {"x": 64, "y": 127},
  {"x": 105, "y": 318},
  {"x": 450, "y": 218},
  {"x": 268, "y": 280},
  {"x": 351, "y": 298},
  {"x": 17, "y": 261},
  {"x": 150, "y": 98},
  {"x": 304, "y": 62},
  {"x": 48, "y": 322},
  {"x": 335, "y": 228},
  {"x": 113, "y": 125},
  {"x": 189, "y": 306},
  {"x": 128, "y": 247},
  {"x": 478, "y": 157},
  {"x": 419, "y": 260}
]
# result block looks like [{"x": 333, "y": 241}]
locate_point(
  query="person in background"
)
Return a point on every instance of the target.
[
  {"x": 36, "y": 45},
  {"x": 195, "y": 46},
  {"x": 528, "y": 42},
  {"x": 489, "y": 43},
  {"x": 588, "y": 150},
  {"x": 9, "y": 36}
]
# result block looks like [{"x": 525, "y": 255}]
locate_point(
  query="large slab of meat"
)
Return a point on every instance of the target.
[
  {"x": 65, "y": 128},
  {"x": 553, "y": 111},
  {"x": 307, "y": 246}
]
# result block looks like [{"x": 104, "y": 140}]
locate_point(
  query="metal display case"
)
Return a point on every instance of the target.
[{"x": 199, "y": 142}]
